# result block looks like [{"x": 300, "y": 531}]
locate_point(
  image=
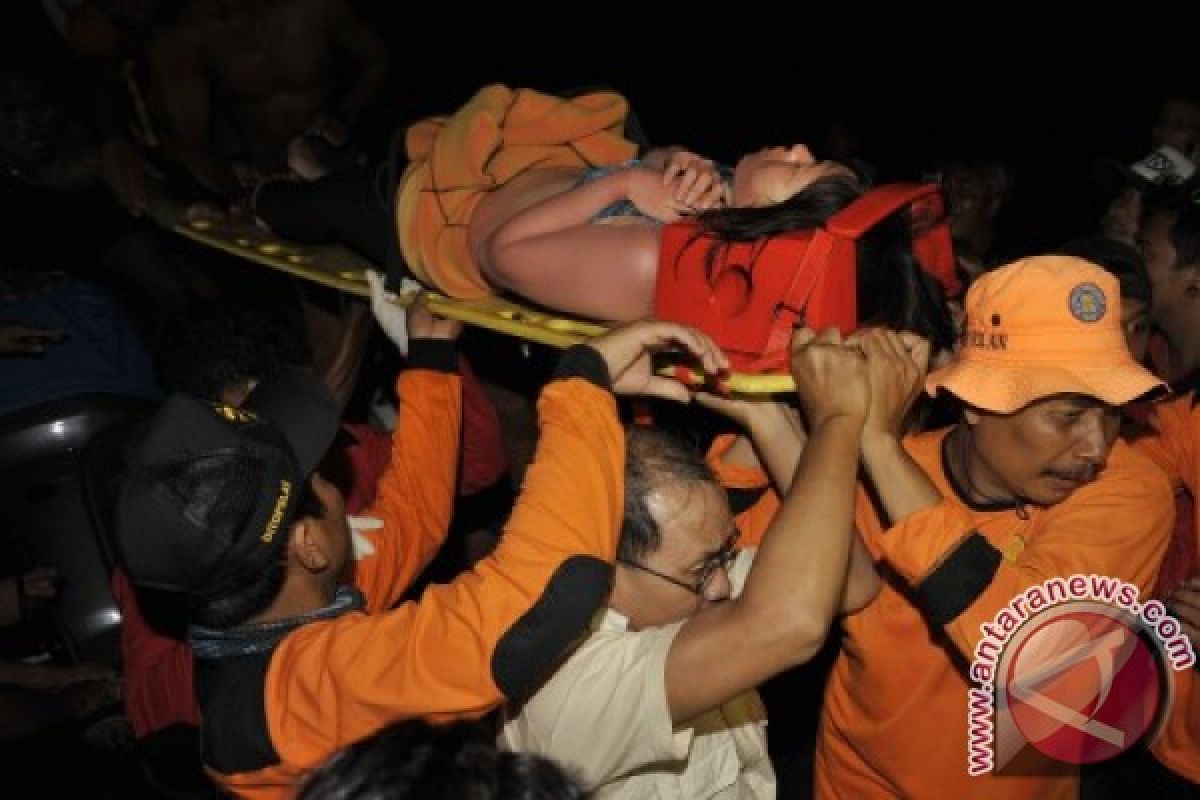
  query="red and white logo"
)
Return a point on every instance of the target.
[{"x": 1081, "y": 683}]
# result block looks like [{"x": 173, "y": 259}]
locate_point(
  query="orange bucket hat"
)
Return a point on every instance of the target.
[{"x": 1042, "y": 326}]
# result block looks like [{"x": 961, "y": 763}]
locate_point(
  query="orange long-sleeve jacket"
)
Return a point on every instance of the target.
[{"x": 464, "y": 647}]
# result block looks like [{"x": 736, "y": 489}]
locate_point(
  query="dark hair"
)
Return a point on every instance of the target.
[
  {"x": 653, "y": 459},
  {"x": 810, "y": 208},
  {"x": 414, "y": 759},
  {"x": 1122, "y": 260},
  {"x": 894, "y": 291},
  {"x": 226, "y": 342}
]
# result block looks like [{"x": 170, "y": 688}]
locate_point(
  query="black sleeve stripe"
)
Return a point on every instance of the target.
[
  {"x": 232, "y": 695},
  {"x": 438, "y": 355},
  {"x": 961, "y": 577},
  {"x": 527, "y": 653},
  {"x": 581, "y": 361}
]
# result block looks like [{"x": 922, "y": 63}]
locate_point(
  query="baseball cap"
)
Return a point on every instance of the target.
[
  {"x": 1164, "y": 168},
  {"x": 1042, "y": 326},
  {"x": 210, "y": 488}
]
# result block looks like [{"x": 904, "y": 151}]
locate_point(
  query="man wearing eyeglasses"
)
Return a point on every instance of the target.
[{"x": 659, "y": 701}]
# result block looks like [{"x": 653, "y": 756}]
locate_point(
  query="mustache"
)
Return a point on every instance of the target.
[{"x": 1080, "y": 474}]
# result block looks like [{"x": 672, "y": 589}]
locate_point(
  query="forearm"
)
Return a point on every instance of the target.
[
  {"x": 801, "y": 564},
  {"x": 565, "y": 210},
  {"x": 495, "y": 630},
  {"x": 416, "y": 492},
  {"x": 793, "y": 590},
  {"x": 902, "y": 486},
  {"x": 779, "y": 446}
]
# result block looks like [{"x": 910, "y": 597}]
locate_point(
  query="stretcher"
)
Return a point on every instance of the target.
[
  {"x": 746, "y": 295},
  {"x": 341, "y": 269}
]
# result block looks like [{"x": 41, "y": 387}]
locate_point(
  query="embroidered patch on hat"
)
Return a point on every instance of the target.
[{"x": 1087, "y": 302}]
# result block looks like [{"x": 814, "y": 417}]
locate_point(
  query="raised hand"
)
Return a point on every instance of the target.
[
  {"x": 628, "y": 353},
  {"x": 831, "y": 377},
  {"x": 896, "y": 365}
]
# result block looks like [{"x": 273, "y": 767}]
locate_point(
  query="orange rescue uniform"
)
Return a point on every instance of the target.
[
  {"x": 464, "y": 647},
  {"x": 894, "y": 722}
]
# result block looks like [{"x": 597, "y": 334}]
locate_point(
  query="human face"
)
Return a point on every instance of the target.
[
  {"x": 696, "y": 526},
  {"x": 1135, "y": 322},
  {"x": 1043, "y": 452},
  {"x": 1175, "y": 288},
  {"x": 777, "y": 174}
]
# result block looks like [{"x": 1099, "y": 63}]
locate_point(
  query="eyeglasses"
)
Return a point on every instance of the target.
[{"x": 721, "y": 559}]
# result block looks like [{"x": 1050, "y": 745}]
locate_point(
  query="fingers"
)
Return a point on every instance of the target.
[
  {"x": 688, "y": 185},
  {"x": 734, "y": 409},
  {"x": 829, "y": 336},
  {"x": 667, "y": 389},
  {"x": 697, "y": 184},
  {"x": 802, "y": 337},
  {"x": 714, "y": 197},
  {"x": 663, "y": 334}
]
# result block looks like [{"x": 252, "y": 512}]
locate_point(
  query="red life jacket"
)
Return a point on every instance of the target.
[{"x": 752, "y": 294}]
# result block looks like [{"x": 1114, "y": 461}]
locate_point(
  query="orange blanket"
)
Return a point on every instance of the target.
[{"x": 499, "y": 134}]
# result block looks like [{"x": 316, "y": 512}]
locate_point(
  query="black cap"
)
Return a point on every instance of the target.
[{"x": 211, "y": 488}]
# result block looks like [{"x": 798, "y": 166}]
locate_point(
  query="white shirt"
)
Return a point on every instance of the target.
[{"x": 604, "y": 715}]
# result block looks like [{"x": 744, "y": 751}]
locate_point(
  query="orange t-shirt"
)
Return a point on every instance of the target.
[
  {"x": 894, "y": 722},
  {"x": 331, "y": 682},
  {"x": 1176, "y": 449}
]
